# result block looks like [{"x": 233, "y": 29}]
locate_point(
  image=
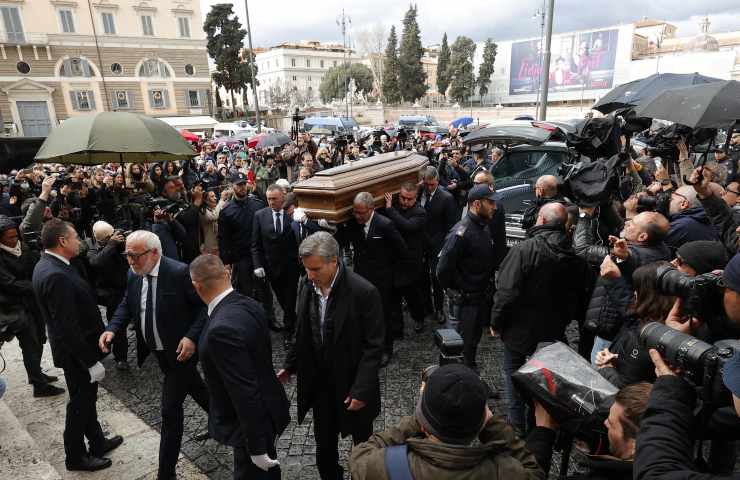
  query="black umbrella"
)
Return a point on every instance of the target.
[
  {"x": 710, "y": 105},
  {"x": 638, "y": 92},
  {"x": 275, "y": 139}
]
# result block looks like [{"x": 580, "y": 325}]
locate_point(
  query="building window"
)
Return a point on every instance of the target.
[
  {"x": 335, "y": 63},
  {"x": 309, "y": 79},
  {"x": 75, "y": 67},
  {"x": 193, "y": 98},
  {"x": 12, "y": 23},
  {"x": 109, "y": 23},
  {"x": 189, "y": 70},
  {"x": 154, "y": 68},
  {"x": 322, "y": 64},
  {"x": 308, "y": 63},
  {"x": 158, "y": 98},
  {"x": 121, "y": 99},
  {"x": 116, "y": 68},
  {"x": 23, "y": 67},
  {"x": 294, "y": 78},
  {"x": 292, "y": 62},
  {"x": 68, "y": 23},
  {"x": 184, "y": 25},
  {"x": 147, "y": 27},
  {"x": 82, "y": 100}
]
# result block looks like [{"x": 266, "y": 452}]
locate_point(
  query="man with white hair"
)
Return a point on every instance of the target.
[
  {"x": 168, "y": 317},
  {"x": 109, "y": 271},
  {"x": 689, "y": 222}
]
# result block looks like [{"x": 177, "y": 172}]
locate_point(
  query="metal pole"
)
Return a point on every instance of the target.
[
  {"x": 251, "y": 67},
  {"x": 545, "y": 74},
  {"x": 100, "y": 58}
]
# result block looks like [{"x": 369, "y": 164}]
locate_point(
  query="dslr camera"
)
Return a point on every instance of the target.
[{"x": 701, "y": 294}]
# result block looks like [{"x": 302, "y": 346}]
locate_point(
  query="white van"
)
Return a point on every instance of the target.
[{"x": 232, "y": 129}]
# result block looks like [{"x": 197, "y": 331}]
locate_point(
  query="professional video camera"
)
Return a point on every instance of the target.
[
  {"x": 166, "y": 205},
  {"x": 700, "y": 362},
  {"x": 702, "y": 294},
  {"x": 450, "y": 345}
]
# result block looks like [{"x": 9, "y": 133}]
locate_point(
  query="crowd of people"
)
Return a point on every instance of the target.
[{"x": 192, "y": 255}]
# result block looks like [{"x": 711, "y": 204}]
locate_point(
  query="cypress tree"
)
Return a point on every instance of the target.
[
  {"x": 486, "y": 68},
  {"x": 391, "y": 90},
  {"x": 411, "y": 78},
  {"x": 443, "y": 80}
]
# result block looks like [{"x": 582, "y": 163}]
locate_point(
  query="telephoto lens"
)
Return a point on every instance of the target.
[{"x": 678, "y": 349}]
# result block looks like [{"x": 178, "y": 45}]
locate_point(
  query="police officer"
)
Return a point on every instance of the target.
[
  {"x": 466, "y": 269},
  {"x": 478, "y": 162}
]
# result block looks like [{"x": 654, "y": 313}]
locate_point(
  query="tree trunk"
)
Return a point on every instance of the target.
[{"x": 233, "y": 104}]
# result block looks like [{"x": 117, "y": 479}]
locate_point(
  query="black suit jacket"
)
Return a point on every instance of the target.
[
  {"x": 411, "y": 224},
  {"x": 70, "y": 310},
  {"x": 179, "y": 311},
  {"x": 374, "y": 255},
  {"x": 442, "y": 215},
  {"x": 355, "y": 349},
  {"x": 275, "y": 253},
  {"x": 246, "y": 398}
]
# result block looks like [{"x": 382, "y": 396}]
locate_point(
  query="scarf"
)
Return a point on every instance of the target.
[{"x": 16, "y": 251}]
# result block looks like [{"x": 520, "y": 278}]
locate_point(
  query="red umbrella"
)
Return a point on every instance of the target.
[
  {"x": 189, "y": 136},
  {"x": 255, "y": 140}
]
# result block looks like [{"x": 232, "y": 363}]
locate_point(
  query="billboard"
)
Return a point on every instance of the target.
[{"x": 578, "y": 61}]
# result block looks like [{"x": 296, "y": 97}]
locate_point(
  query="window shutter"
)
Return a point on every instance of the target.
[
  {"x": 166, "y": 98},
  {"x": 130, "y": 94},
  {"x": 114, "y": 101},
  {"x": 86, "y": 68},
  {"x": 151, "y": 98},
  {"x": 73, "y": 99},
  {"x": 67, "y": 68},
  {"x": 91, "y": 99}
]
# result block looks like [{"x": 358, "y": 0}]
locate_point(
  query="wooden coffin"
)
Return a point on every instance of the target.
[{"x": 329, "y": 193}]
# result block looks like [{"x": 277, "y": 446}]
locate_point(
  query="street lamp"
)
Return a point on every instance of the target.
[{"x": 252, "y": 58}]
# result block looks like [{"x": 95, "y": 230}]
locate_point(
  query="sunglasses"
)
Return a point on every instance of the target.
[{"x": 136, "y": 256}]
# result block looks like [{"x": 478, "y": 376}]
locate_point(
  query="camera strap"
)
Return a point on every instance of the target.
[{"x": 397, "y": 463}]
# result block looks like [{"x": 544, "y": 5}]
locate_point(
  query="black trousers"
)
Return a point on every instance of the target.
[
  {"x": 120, "y": 342},
  {"x": 433, "y": 293},
  {"x": 385, "y": 288},
  {"x": 413, "y": 296},
  {"x": 244, "y": 469},
  {"x": 246, "y": 283},
  {"x": 285, "y": 287},
  {"x": 32, "y": 350},
  {"x": 82, "y": 415},
  {"x": 471, "y": 318},
  {"x": 326, "y": 432},
  {"x": 180, "y": 380}
]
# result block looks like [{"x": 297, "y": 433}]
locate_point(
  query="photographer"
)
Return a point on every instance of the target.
[
  {"x": 689, "y": 222},
  {"x": 109, "y": 270},
  {"x": 438, "y": 442},
  {"x": 719, "y": 213},
  {"x": 622, "y": 425}
]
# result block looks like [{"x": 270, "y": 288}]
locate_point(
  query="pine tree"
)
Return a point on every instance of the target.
[
  {"x": 411, "y": 77},
  {"x": 486, "y": 68},
  {"x": 443, "y": 80},
  {"x": 391, "y": 90},
  {"x": 460, "y": 70}
]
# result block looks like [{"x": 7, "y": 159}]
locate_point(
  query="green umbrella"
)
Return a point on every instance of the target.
[{"x": 118, "y": 137}]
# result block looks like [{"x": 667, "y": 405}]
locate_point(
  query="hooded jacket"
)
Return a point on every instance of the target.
[
  {"x": 688, "y": 226},
  {"x": 499, "y": 455}
]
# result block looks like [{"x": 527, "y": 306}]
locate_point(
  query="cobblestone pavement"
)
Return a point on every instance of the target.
[{"x": 140, "y": 390}]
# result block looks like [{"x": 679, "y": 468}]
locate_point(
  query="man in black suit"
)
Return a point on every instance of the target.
[
  {"x": 442, "y": 214},
  {"x": 168, "y": 317},
  {"x": 410, "y": 220},
  {"x": 337, "y": 351},
  {"x": 275, "y": 254},
  {"x": 377, "y": 247},
  {"x": 70, "y": 310},
  {"x": 249, "y": 407}
]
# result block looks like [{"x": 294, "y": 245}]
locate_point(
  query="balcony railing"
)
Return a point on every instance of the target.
[{"x": 24, "y": 38}]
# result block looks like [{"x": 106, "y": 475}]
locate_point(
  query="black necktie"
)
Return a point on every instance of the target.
[
  {"x": 278, "y": 224},
  {"x": 149, "y": 315}
]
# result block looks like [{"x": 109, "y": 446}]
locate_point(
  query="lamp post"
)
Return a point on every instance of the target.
[
  {"x": 251, "y": 67},
  {"x": 545, "y": 74}
]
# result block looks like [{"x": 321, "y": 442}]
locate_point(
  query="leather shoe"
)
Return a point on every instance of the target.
[
  {"x": 46, "y": 390},
  {"x": 202, "y": 436},
  {"x": 112, "y": 443},
  {"x": 440, "y": 318},
  {"x": 49, "y": 378},
  {"x": 419, "y": 327},
  {"x": 122, "y": 366},
  {"x": 386, "y": 359},
  {"x": 88, "y": 463}
]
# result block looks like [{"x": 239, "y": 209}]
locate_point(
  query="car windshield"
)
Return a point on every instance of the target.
[{"x": 522, "y": 166}]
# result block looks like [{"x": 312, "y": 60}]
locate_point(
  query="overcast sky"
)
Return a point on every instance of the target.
[{"x": 276, "y": 21}]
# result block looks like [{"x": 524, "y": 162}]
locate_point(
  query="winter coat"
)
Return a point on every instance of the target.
[
  {"x": 688, "y": 226},
  {"x": 723, "y": 217},
  {"x": 499, "y": 455}
]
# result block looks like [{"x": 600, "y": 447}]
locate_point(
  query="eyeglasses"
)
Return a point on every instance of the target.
[
  {"x": 136, "y": 256},
  {"x": 679, "y": 195}
]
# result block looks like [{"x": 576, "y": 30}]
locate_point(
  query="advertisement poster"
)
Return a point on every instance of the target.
[{"x": 581, "y": 61}]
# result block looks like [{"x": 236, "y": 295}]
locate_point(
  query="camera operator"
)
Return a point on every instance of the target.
[
  {"x": 109, "y": 270},
  {"x": 623, "y": 425},
  {"x": 719, "y": 213},
  {"x": 545, "y": 191},
  {"x": 437, "y": 442},
  {"x": 178, "y": 224}
]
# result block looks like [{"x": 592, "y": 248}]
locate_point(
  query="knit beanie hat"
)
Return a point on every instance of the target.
[
  {"x": 704, "y": 256},
  {"x": 452, "y": 407},
  {"x": 6, "y": 223},
  {"x": 731, "y": 275}
]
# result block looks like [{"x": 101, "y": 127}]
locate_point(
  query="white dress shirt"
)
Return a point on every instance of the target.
[
  {"x": 324, "y": 300},
  {"x": 214, "y": 303},
  {"x": 427, "y": 197},
  {"x": 366, "y": 227},
  {"x": 144, "y": 292},
  {"x": 275, "y": 220},
  {"x": 56, "y": 255}
]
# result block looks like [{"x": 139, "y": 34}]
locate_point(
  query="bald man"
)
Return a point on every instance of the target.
[
  {"x": 545, "y": 191},
  {"x": 689, "y": 222},
  {"x": 537, "y": 288}
]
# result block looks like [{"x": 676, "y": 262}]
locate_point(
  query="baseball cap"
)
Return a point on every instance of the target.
[
  {"x": 237, "y": 178},
  {"x": 482, "y": 191},
  {"x": 478, "y": 148}
]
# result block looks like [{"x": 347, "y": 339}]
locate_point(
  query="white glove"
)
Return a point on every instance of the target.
[
  {"x": 259, "y": 272},
  {"x": 323, "y": 223},
  {"x": 97, "y": 372},
  {"x": 264, "y": 462},
  {"x": 299, "y": 215}
]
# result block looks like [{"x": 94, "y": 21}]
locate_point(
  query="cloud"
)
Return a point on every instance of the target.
[{"x": 277, "y": 21}]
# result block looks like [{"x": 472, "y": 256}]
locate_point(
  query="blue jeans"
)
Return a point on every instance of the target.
[
  {"x": 512, "y": 362},
  {"x": 599, "y": 345}
]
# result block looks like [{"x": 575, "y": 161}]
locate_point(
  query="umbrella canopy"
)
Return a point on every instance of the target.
[
  {"x": 317, "y": 130},
  {"x": 188, "y": 135},
  {"x": 119, "y": 137},
  {"x": 462, "y": 122},
  {"x": 710, "y": 105},
  {"x": 638, "y": 92},
  {"x": 275, "y": 139}
]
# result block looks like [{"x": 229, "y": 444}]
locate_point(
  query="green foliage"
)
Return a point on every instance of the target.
[
  {"x": 335, "y": 81},
  {"x": 411, "y": 75},
  {"x": 225, "y": 38},
  {"x": 443, "y": 79},
  {"x": 460, "y": 69},
  {"x": 391, "y": 88},
  {"x": 486, "y": 68}
]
